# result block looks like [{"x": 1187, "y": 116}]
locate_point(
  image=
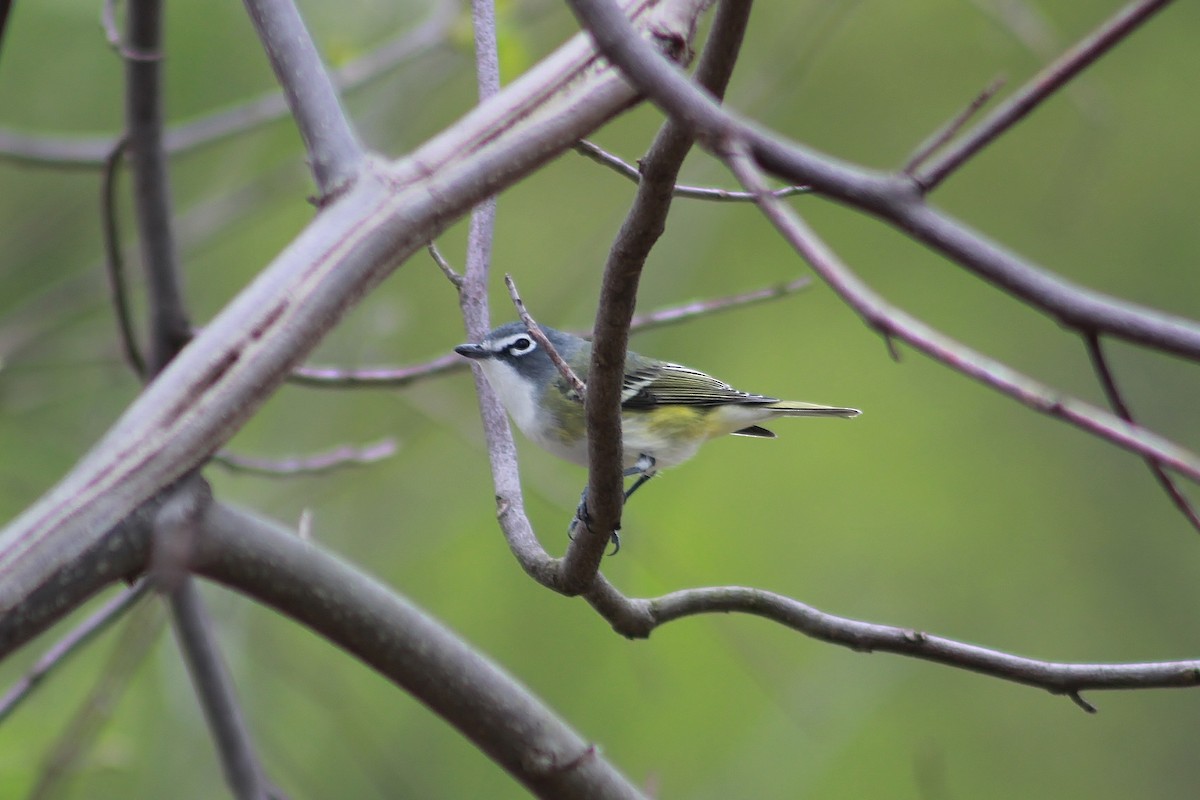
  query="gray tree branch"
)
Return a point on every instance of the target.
[{"x": 248, "y": 349}]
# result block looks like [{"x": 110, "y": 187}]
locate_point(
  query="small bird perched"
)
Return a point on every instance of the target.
[{"x": 667, "y": 410}]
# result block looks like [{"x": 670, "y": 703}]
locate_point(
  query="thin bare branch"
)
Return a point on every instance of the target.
[
  {"x": 455, "y": 279},
  {"x": 68, "y": 645},
  {"x": 1057, "y": 677},
  {"x": 114, "y": 261},
  {"x": 672, "y": 315},
  {"x": 882, "y": 316},
  {"x": 218, "y": 697},
  {"x": 1041, "y": 86},
  {"x": 334, "y": 152},
  {"x": 320, "y": 463},
  {"x": 1108, "y": 382},
  {"x": 535, "y": 330},
  {"x": 940, "y": 137},
  {"x": 376, "y": 377},
  {"x": 399, "y": 377},
  {"x": 65, "y": 151},
  {"x": 627, "y": 170},
  {"x": 169, "y": 329}
]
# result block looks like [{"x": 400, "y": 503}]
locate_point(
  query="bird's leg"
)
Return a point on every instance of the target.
[
  {"x": 582, "y": 515},
  {"x": 644, "y": 469}
]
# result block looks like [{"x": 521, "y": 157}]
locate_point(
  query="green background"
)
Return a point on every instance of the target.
[{"x": 945, "y": 507}]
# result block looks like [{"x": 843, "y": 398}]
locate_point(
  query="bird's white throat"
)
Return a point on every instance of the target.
[{"x": 516, "y": 394}]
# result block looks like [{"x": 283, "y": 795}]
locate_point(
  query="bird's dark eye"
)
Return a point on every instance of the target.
[{"x": 521, "y": 345}]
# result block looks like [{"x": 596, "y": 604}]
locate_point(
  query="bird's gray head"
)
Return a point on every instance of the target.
[
  {"x": 511, "y": 346},
  {"x": 522, "y": 374}
]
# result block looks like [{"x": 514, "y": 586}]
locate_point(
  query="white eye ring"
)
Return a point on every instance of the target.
[
  {"x": 517, "y": 345},
  {"x": 522, "y": 345}
]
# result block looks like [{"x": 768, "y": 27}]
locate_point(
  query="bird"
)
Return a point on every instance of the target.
[{"x": 667, "y": 410}]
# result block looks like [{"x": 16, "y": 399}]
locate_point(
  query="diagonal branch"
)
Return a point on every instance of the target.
[
  {"x": 627, "y": 170},
  {"x": 57, "y": 654},
  {"x": 334, "y": 151},
  {"x": 893, "y": 322}
]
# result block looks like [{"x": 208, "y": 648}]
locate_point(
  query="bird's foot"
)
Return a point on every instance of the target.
[{"x": 583, "y": 517}]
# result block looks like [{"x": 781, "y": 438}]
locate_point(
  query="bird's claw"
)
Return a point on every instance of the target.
[{"x": 582, "y": 516}]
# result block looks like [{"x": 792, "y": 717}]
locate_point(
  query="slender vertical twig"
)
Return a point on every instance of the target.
[
  {"x": 473, "y": 300},
  {"x": 169, "y": 328},
  {"x": 114, "y": 260},
  {"x": 169, "y": 331},
  {"x": 643, "y": 226},
  {"x": 334, "y": 150},
  {"x": 193, "y": 630}
]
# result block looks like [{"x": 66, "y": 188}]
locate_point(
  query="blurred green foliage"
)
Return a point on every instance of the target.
[{"x": 945, "y": 508}]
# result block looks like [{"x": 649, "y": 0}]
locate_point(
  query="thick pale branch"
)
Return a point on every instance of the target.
[{"x": 232, "y": 366}]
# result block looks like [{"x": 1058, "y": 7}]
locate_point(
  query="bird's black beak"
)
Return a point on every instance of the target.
[{"x": 475, "y": 351}]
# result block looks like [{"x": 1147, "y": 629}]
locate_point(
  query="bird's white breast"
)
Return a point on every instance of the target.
[{"x": 518, "y": 398}]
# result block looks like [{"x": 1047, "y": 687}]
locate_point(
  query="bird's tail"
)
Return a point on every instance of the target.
[{"x": 794, "y": 408}]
